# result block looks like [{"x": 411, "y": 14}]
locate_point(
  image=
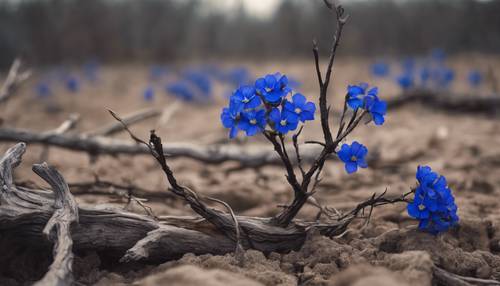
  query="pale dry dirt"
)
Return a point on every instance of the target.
[{"x": 389, "y": 251}]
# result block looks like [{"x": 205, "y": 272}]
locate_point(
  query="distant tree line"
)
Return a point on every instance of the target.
[{"x": 57, "y": 31}]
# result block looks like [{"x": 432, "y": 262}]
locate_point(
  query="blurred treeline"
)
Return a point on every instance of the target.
[{"x": 58, "y": 31}]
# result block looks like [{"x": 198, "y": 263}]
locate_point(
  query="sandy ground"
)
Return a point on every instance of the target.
[{"x": 389, "y": 251}]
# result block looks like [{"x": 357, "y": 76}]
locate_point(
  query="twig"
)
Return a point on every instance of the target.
[
  {"x": 167, "y": 114},
  {"x": 451, "y": 279},
  {"x": 129, "y": 119},
  {"x": 13, "y": 80}
]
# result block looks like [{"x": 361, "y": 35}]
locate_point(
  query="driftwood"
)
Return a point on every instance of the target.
[
  {"x": 26, "y": 212},
  {"x": 14, "y": 78},
  {"x": 58, "y": 228},
  {"x": 448, "y": 101}
]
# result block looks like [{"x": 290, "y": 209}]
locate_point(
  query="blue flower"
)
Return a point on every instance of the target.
[
  {"x": 43, "y": 90},
  {"x": 301, "y": 107},
  {"x": 356, "y": 98},
  {"x": 230, "y": 118},
  {"x": 149, "y": 94},
  {"x": 246, "y": 97},
  {"x": 433, "y": 204},
  {"x": 425, "y": 75},
  {"x": 380, "y": 69},
  {"x": 353, "y": 156},
  {"x": 180, "y": 90},
  {"x": 273, "y": 87},
  {"x": 199, "y": 80},
  {"x": 475, "y": 78},
  {"x": 405, "y": 81},
  {"x": 356, "y": 95},
  {"x": 283, "y": 121},
  {"x": 377, "y": 108},
  {"x": 252, "y": 121},
  {"x": 72, "y": 84}
]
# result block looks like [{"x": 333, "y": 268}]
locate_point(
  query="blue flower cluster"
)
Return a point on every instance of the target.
[
  {"x": 359, "y": 96},
  {"x": 429, "y": 72},
  {"x": 433, "y": 204},
  {"x": 266, "y": 103}
]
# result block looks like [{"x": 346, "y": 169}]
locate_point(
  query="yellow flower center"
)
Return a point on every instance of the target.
[
  {"x": 253, "y": 121},
  {"x": 245, "y": 100},
  {"x": 353, "y": 158},
  {"x": 421, "y": 207},
  {"x": 283, "y": 122},
  {"x": 298, "y": 110}
]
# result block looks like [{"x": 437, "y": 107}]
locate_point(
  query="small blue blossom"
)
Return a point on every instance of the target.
[
  {"x": 301, "y": 107},
  {"x": 283, "y": 121},
  {"x": 246, "y": 97},
  {"x": 425, "y": 75},
  {"x": 180, "y": 90},
  {"x": 353, "y": 156},
  {"x": 199, "y": 80},
  {"x": 376, "y": 107},
  {"x": 252, "y": 122},
  {"x": 405, "y": 81},
  {"x": 148, "y": 94},
  {"x": 229, "y": 118},
  {"x": 475, "y": 78},
  {"x": 43, "y": 90},
  {"x": 72, "y": 84},
  {"x": 433, "y": 204},
  {"x": 273, "y": 87},
  {"x": 380, "y": 69},
  {"x": 356, "y": 95}
]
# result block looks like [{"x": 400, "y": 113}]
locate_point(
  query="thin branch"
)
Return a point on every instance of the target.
[
  {"x": 14, "y": 78},
  {"x": 129, "y": 119}
]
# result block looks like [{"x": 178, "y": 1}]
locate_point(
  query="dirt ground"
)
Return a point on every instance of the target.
[{"x": 389, "y": 251}]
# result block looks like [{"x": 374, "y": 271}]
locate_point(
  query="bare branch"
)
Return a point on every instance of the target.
[
  {"x": 57, "y": 228},
  {"x": 129, "y": 119},
  {"x": 14, "y": 78}
]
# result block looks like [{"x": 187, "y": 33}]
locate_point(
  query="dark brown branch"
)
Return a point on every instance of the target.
[{"x": 301, "y": 192}]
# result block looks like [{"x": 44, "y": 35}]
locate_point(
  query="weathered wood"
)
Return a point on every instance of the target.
[
  {"x": 26, "y": 212},
  {"x": 58, "y": 228}
]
